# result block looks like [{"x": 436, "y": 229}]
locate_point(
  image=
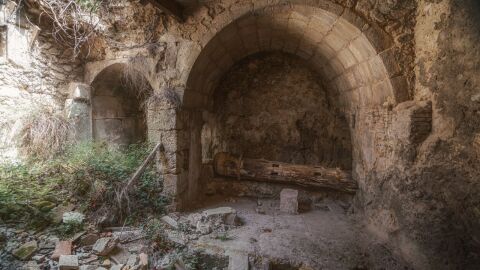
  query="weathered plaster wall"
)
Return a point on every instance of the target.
[
  {"x": 34, "y": 74},
  {"x": 273, "y": 106}
]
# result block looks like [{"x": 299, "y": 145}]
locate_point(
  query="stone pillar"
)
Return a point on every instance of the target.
[
  {"x": 166, "y": 125},
  {"x": 78, "y": 110}
]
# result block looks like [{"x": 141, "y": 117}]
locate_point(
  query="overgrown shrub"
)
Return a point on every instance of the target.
[
  {"x": 44, "y": 133},
  {"x": 88, "y": 174}
]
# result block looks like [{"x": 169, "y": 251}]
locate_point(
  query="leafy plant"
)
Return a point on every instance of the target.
[{"x": 90, "y": 173}]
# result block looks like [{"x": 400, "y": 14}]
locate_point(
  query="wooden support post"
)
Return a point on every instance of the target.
[{"x": 279, "y": 172}]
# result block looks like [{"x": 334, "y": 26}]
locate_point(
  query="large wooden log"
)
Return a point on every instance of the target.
[{"x": 227, "y": 165}]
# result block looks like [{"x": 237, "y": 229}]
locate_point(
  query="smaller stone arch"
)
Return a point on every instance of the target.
[{"x": 118, "y": 99}]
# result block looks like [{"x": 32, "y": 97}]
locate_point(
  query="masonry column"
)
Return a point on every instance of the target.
[
  {"x": 78, "y": 110},
  {"x": 167, "y": 126}
]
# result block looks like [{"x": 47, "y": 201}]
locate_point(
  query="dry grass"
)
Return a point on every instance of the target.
[
  {"x": 73, "y": 22},
  {"x": 45, "y": 134},
  {"x": 134, "y": 79}
]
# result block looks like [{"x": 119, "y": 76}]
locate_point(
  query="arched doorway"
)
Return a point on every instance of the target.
[
  {"x": 118, "y": 106},
  {"x": 344, "y": 51}
]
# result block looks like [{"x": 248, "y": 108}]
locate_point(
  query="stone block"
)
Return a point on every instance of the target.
[
  {"x": 79, "y": 91},
  {"x": 88, "y": 239},
  {"x": 170, "y": 221},
  {"x": 400, "y": 88},
  {"x": 26, "y": 251},
  {"x": 289, "y": 201},
  {"x": 330, "y": 7},
  {"x": 226, "y": 215},
  {"x": 120, "y": 255},
  {"x": 62, "y": 248},
  {"x": 143, "y": 261},
  {"x": 378, "y": 38},
  {"x": 377, "y": 68},
  {"x": 18, "y": 46},
  {"x": 361, "y": 48},
  {"x": 354, "y": 19},
  {"x": 238, "y": 261},
  {"x": 346, "y": 58},
  {"x": 335, "y": 40},
  {"x": 170, "y": 184},
  {"x": 68, "y": 262},
  {"x": 390, "y": 62},
  {"x": 104, "y": 246},
  {"x": 413, "y": 121}
]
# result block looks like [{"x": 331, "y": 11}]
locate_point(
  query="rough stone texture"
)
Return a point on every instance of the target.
[
  {"x": 62, "y": 248},
  {"x": 416, "y": 175},
  {"x": 424, "y": 204},
  {"x": 34, "y": 72},
  {"x": 78, "y": 110},
  {"x": 223, "y": 215},
  {"x": 273, "y": 107},
  {"x": 25, "y": 251},
  {"x": 104, "y": 245},
  {"x": 68, "y": 262},
  {"x": 289, "y": 201},
  {"x": 238, "y": 261}
]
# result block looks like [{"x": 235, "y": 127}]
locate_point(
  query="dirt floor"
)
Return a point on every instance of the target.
[{"x": 322, "y": 238}]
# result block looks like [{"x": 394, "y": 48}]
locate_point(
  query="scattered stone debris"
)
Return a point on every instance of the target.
[
  {"x": 62, "y": 248},
  {"x": 120, "y": 255},
  {"x": 289, "y": 201},
  {"x": 105, "y": 245},
  {"x": 68, "y": 262},
  {"x": 26, "y": 251},
  {"x": 170, "y": 221},
  {"x": 88, "y": 239}
]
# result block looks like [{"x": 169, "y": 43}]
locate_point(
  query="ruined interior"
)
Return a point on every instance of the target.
[{"x": 322, "y": 134}]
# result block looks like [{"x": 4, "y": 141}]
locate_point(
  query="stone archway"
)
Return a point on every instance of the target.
[
  {"x": 118, "y": 106},
  {"x": 352, "y": 57}
]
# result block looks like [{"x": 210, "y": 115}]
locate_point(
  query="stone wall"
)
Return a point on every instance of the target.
[
  {"x": 404, "y": 73},
  {"x": 273, "y": 106},
  {"x": 34, "y": 74},
  {"x": 426, "y": 200}
]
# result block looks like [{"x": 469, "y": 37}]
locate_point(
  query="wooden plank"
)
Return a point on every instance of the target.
[
  {"x": 171, "y": 7},
  {"x": 279, "y": 172}
]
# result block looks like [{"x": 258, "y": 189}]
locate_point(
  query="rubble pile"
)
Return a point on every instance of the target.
[{"x": 115, "y": 248}]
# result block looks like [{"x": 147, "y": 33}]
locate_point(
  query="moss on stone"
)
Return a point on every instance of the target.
[{"x": 26, "y": 251}]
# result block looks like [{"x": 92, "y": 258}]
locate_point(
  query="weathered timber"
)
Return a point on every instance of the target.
[
  {"x": 138, "y": 173},
  {"x": 226, "y": 164}
]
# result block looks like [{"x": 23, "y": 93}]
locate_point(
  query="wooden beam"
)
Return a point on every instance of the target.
[
  {"x": 279, "y": 172},
  {"x": 171, "y": 7}
]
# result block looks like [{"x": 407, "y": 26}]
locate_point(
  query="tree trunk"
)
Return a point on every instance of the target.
[{"x": 279, "y": 172}]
